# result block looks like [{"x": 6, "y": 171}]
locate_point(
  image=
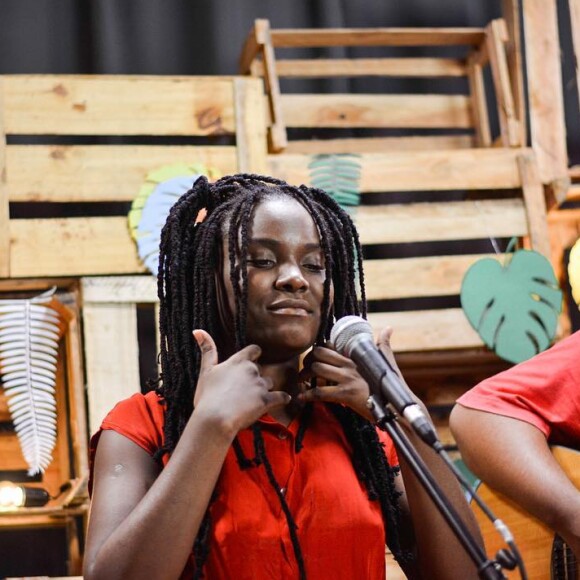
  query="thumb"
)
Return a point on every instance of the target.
[{"x": 209, "y": 354}]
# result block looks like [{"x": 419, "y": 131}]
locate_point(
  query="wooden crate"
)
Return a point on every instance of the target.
[
  {"x": 451, "y": 120},
  {"x": 78, "y": 139},
  {"x": 66, "y": 476}
]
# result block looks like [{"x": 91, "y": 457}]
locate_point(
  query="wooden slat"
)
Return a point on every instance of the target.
[
  {"x": 250, "y": 126},
  {"x": 417, "y": 277},
  {"x": 119, "y": 289},
  {"x": 112, "y": 357},
  {"x": 425, "y": 330},
  {"x": 428, "y": 222},
  {"x": 509, "y": 127},
  {"x": 380, "y": 144},
  {"x": 548, "y": 131},
  {"x": 418, "y": 170},
  {"x": 533, "y": 193},
  {"x": 249, "y": 52},
  {"x": 117, "y": 105},
  {"x": 72, "y": 247},
  {"x": 479, "y": 102},
  {"x": 4, "y": 210},
  {"x": 362, "y": 67},
  {"x": 376, "y": 37},
  {"x": 381, "y": 111},
  {"x": 78, "y": 173}
]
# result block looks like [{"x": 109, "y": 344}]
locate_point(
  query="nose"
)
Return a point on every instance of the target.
[{"x": 291, "y": 279}]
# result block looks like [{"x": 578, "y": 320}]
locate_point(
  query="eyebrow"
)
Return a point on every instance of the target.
[{"x": 275, "y": 243}]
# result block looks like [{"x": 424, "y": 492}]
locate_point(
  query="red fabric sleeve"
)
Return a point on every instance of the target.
[
  {"x": 390, "y": 450},
  {"x": 543, "y": 391}
]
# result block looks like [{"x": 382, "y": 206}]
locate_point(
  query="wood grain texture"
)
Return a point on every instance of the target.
[{"x": 4, "y": 209}]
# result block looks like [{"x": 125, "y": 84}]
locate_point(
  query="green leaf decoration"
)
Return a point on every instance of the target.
[
  {"x": 514, "y": 307},
  {"x": 162, "y": 188},
  {"x": 339, "y": 176}
]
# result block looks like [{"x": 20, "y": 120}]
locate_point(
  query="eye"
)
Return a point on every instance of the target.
[
  {"x": 261, "y": 262},
  {"x": 314, "y": 267}
]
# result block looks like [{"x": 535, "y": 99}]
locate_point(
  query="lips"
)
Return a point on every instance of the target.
[{"x": 291, "y": 308}]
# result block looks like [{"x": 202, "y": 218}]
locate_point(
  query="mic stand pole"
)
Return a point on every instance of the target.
[{"x": 386, "y": 419}]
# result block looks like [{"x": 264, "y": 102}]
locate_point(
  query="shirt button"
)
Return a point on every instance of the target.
[
  {"x": 283, "y": 490},
  {"x": 282, "y": 435}
]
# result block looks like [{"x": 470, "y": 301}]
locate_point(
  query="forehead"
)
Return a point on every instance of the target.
[{"x": 283, "y": 219}]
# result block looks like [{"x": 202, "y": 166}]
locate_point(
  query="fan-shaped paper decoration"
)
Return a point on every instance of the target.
[
  {"x": 513, "y": 307},
  {"x": 574, "y": 271},
  {"x": 162, "y": 188},
  {"x": 339, "y": 176},
  {"x": 29, "y": 335}
]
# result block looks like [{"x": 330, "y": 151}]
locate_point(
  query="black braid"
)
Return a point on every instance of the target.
[{"x": 190, "y": 257}]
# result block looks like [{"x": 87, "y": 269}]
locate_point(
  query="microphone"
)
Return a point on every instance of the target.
[{"x": 352, "y": 336}]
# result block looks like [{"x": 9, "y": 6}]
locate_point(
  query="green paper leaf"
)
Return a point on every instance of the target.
[
  {"x": 514, "y": 308},
  {"x": 339, "y": 176}
]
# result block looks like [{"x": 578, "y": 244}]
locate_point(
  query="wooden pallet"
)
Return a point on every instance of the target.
[{"x": 57, "y": 115}]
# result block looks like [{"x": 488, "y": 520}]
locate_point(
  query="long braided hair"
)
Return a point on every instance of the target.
[{"x": 190, "y": 256}]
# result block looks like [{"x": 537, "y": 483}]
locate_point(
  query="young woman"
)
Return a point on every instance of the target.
[{"x": 241, "y": 464}]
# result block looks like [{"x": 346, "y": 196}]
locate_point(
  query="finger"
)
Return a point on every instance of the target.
[
  {"x": 385, "y": 336},
  {"x": 209, "y": 353},
  {"x": 252, "y": 352},
  {"x": 275, "y": 399},
  {"x": 332, "y": 357},
  {"x": 329, "y": 372},
  {"x": 326, "y": 394}
]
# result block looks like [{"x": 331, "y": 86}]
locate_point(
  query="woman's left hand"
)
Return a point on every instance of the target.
[{"x": 341, "y": 381}]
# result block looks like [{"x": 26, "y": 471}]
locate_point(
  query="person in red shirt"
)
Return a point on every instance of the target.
[
  {"x": 265, "y": 469},
  {"x": 504, "y": 427}
]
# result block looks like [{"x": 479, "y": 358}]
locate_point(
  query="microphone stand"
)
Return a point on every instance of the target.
[{"x": 386, "y": 419}]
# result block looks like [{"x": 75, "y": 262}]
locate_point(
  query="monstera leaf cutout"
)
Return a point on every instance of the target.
[
  {"x": 574, "y": 271},
  {"x": 29, "y": 336},
  {"x": 339, "y": 176},
  {"x": 162, "y": 188},
  {"x": 513, "y": 307}
]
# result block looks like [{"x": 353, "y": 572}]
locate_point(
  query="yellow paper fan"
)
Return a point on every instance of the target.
[{"x": 574, "y": 271}]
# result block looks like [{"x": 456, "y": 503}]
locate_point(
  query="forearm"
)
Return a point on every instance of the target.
[
  {"x": 514, "y": 458},
  {"x": 156, "y": 537},
  {"x": 440, "y": 553}
]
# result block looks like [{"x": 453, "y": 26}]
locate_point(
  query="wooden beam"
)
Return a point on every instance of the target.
[
  {"x": 290, "y": 38},
  {"x": 4, "y": 208},
  {"x": 249, "y": 52},
  {"x": 380, "y": 111},
  {"x": 119, "y": 289},
  {"x": 575, "y": 25},
  {"x": 357, "y": 67},
  {"x": 548, "y": 131},
  {"x": 478, "y": 102},
  {"x": 251, "y": 142},
  {"x": 118, "y": 105},
  {"x": 82, "y": 173}
]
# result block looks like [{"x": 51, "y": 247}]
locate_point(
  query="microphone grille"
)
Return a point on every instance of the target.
[{"x": 347, "y": 328}]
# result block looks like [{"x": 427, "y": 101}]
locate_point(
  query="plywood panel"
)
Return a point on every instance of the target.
[
  {"x": 112, "y": 357},
  {"x": 72, "y": 247},
  {"x": 119, "y": 289},
  {"x": 97, "y": 172},
  {"x": 117, "y": 105},
  {"x": 418, "y": 170},
  {"x": 384, "y": 111}
]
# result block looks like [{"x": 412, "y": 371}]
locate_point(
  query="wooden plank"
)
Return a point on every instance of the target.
[
  {"x": 290, "y": 38},
  {"x": 72, "y": 247},
  {"x": 479, "y": 102},
  {"x": 380, "y": 111},
  {"x": 533, "y": 193},
  {"x": 112, "y": 357},
  {"x": 574, "y": 6},
  {"x": 277, "y": 129},
  {"x": 548, "y": 131},
  {"x": 418, "y": 170},
  {"x": 249, "y": 52},
  {"x": 511, "y": 14},
  {"x": 417, "y": 277},
  {"x": 118, "y": 105},
  {"x": 77, "y": 173},
  {"x": 496, "y": 34},
  {"x": 379, "y": 144},
  {"x": 358, "y": 67},
  {"x": 4, "y": 209},
  {"x": 427, "y": 330},
  {"x": 250, "y": 126},
  {"x": 119, "y": 290},
  {"x": 428, "y": 222}
]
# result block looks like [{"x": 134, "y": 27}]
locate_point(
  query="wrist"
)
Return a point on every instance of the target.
[{"x": 215, "y": 423}]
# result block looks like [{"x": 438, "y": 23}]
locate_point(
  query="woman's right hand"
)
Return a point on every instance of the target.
[{"x": 233, "y": 393}]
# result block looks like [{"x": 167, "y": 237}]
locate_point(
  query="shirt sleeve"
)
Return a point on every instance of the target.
[
  {"x": 390, "y": 451},
  {"x": 543, "y": 391}
]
